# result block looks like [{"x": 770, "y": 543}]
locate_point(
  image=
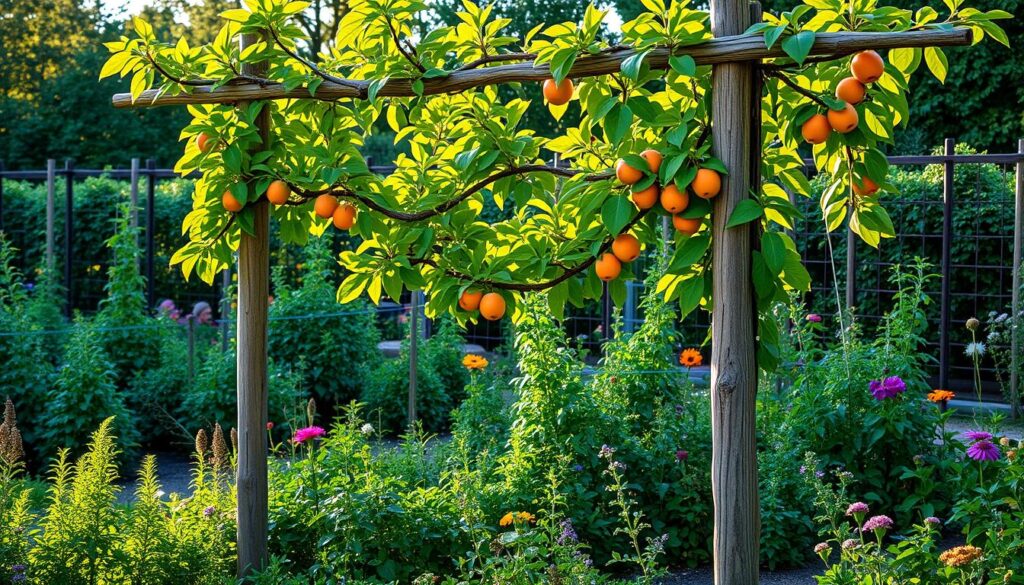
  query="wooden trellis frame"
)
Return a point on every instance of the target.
[{"x": 734, "y": 110}]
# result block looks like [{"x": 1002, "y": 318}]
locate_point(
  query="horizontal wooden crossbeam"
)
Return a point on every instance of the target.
[{"x": 729, "y": 49}]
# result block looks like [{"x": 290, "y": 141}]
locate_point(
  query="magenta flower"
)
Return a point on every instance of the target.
[
  {"x": 857, "y": 508},
  {"x": 876, "y": 523},
  {"x": 932, "y": 520},
  {"x": 977, "y": 436},
  {"x": 303, "y": 435},
  {"x": 813, "y": 318},
  {"x": 983, "y": 451},
  {"x": 681, "y": 455},
  {"x": 888, "y": 388}
]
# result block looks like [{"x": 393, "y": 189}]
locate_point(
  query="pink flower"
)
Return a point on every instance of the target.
[
  {"x": 857, "y": 508},
  {"x": 983, "y": 451},
  {"x": 303, "y": 435},
  {"x": 681, "y": 455},
  {"x": 887, "y": 388},
  {"x": 977, "y": 436},
  {"x": 876, "y": 523},
  {"x": 270, "y": 426},
  {"x": 814, "y": 318}
]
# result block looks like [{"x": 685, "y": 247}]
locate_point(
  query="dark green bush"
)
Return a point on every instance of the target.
[{"x": 387, "y": 395}]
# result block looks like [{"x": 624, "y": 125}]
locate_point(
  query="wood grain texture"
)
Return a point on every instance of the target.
[
  {"x": 733, "y": 325},
  {"x": 724, "y": 49},
  {"x": 253, "y": 301}
]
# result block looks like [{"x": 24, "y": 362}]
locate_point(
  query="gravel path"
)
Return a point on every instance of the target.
[{"x": 703, "y": 576}]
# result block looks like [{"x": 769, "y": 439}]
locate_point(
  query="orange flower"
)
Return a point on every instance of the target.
[
  {"x": 691, "y": 357},
  {"x": 960, "y": 555},
  {"x": 940, "y": 395},
  {"x": 507, "y": 519},
  {"x": 474, "y": 362},
  {"x": 526, "y": 517}
]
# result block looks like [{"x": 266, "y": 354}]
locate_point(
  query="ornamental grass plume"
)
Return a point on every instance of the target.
[
  {"x": 220, "y": 448},
  {"x": 202, "y": 444},
  {"x": 960, "y": 555},
  {"x": 311, "y": 411},
  {"x": 11, "y": 447},
  {"x": 691, "y": 357}
]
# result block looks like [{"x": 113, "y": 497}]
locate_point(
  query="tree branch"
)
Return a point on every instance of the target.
[
  {"x": 398, "y": 43},
  {"x": 489, "y": 59},
  {"x": 728, "y": 49},
  {"x": 361, "y": 87},
  {"x": 804, "y": 92}
]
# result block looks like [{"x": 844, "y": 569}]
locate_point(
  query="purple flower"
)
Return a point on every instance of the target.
[
  {"x": 209, "y": 511},
  {"x": 577, "y": 468},
  {"x": 18, "y": 568},
  {"x": 819, "y": 474},
  {"x": 857, "y": 508},
  {"x": 19, "y": 578},
  {"x": 977, "y": 436},
  {"x": 814, "y": 318},
  {"x": 568, "y": 532},
  {"x": 983, "y": 451},
  {"x": 308, "y": 433},
  {"x": 681, "y": 455},
  {"x": 679, "y": 409},
  {"x": 803, "y": 469},
  {"x": 932, "y": 520},
  {"x": 888, "y": 388},
  {"x": 874, "y": 523}
]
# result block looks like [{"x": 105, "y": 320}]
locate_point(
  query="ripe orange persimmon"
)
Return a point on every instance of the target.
[
  {"x": 278, "y": 192},
  {"x": 674, "y": 200},
  {"x": 816, "y": 129},
  {"x": 626, "y": 247},
  {"x": 867, "y": 66},
  {"x": 626, "y": 173},
  {"x": 707, "y": 183},
  {"x": 844, "y": 120},
  {"x": 470, "y": 300},
  {"x": 653, "y": 158},
  {"x": 850, "y": 90},
  {"x": 646, "y": 198},
  {"x": 344, "y": 216},
  {"x": 866, "y": 187},
  {"x": 325, "y": 205},
  {"x": 230, "y": 202},
  {"x": 492, "y": 306},
  {"x": 607, "y": 267},
  {"x": 558, "y": 94},
  {"x": 685, "y": 225},
  {"x": 204, "y": 142}
]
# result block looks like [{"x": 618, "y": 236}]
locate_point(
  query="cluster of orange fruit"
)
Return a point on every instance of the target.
[
  {"x": 343, "y": 215},
  {"x": 490, "y": 305}
]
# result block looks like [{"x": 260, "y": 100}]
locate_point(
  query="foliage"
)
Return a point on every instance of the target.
[{"x": 387, "y": 394}]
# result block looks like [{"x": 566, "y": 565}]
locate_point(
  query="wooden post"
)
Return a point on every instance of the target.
[
  {"x": 734, "y": 321},
  {"x": 947, "y": 246},
  {"x": 1015, "y": 321},
  {"x": 51, "y": 196},
  {"x": 253, "y": 301}
]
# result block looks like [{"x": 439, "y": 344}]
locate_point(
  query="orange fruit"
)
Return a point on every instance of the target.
[
  {"x": 867, "y": 66},
  {"x": 674, "y": 200},
  {"x": 844, "y": 120},
  {"x": 866, "y": 187},
  {"x": 647, "y": 198},
  {"x": 204, "y": 142},
  {"x": 707, "y": 183},
  {"x": 686, "y": 226},
  {"x": 325, "y": 205},
  {"x": 653, "y": 158},
  {"x": 558, "y": 94},
  {"x": 470, "y": 300},
  {"x": 608, "y": 267},
  {"x": 492, "y": 306},
  {"x": 626, "y": 173},
  {"x": 344, "y": 216},
  {"x": 816, "y": 129},
  {"x": 626, "y": 247},
  {"x": 850, "y": 90},
  {"x": 278, "y": 192},
  {"x": 230, "y": 202}
]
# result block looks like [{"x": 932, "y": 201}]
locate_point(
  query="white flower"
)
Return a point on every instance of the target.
[
  {"x": 1002, "y": 317},
  {"x": 975, "y": 349},
  {"x": 366, "y": 429},
  {"x": 993, "y": 336}
]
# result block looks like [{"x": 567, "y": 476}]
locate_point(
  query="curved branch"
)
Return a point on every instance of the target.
[
  {"x": 501, "y": 58},
  {"x": 342, "y": 191},
  {"x": 804, "y": 92},
  {"x": 544, "y": 285},
  {"x": 362, "y": 87},
  {"x": 398, "y": 43},
  {"x": 189, "y": 82}
]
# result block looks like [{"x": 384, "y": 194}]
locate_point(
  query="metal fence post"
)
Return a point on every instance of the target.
[
  {"x": 191, "y": 347},
  {"x": 1, "y": 195},
  {"x": 150, "y": 227},
  {"x": 69, "y": 232},
  {"x": 1015, "y": 321},
  {"x": 413, "y": 357},
  {"x": 133, "y": 194},
  {"x": 947, "y": 242},
  {"x": 51, "y": 206}
]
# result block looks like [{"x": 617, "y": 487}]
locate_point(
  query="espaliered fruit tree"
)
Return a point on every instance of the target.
[{"x": 686, "y": 114}]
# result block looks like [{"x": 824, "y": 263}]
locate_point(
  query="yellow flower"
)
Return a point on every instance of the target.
[
  {"x": 691, "y": 357},
  {"x": 960, "y": 555},
  {"x": 507, "y": 519},
  {"x": 474, "y": 362},
  {"x": 526, "y": 517},
  {"x": 940, "y": 395}
]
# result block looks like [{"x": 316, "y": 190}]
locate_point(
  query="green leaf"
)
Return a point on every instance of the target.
[
  {"x": 618, "y": 122},
  {"x": 631, "y": 67},
  {"x": 799, "y": 45},
  {"x": 937, "y": 63},
  {"x": 616, "y": 213},
  {"x": 905, "y": 59},
  {"x": 746, "y": 211},
  {"x": 689, "y": 252},
  {"x": 691, "y": 291},
  {"x": 683, "y": 64},
  {"x": 772, "y": 35}
]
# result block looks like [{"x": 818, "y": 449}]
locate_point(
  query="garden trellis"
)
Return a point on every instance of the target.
[{"x": 264, "y": 113}]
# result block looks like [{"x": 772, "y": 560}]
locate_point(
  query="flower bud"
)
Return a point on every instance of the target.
[{"x": 973, "y": 324}]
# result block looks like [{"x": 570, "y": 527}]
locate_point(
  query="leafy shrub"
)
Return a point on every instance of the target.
[
  {"x": 83, "y": 395},
  {"x": 337, "y": 343},
  {"x": 387, "y": 395},
  {"x": 444, "y": 351}
]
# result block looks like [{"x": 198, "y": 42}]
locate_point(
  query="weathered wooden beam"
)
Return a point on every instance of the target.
[{"x": 727, "y": 49}]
